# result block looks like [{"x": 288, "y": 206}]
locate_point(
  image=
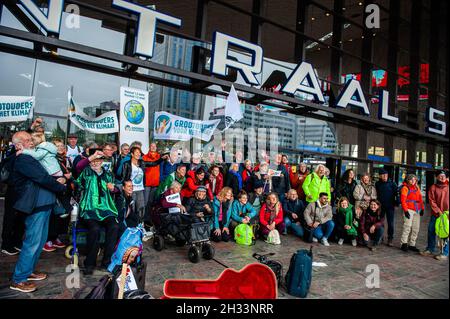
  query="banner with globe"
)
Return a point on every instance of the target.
[
  {"x": 171, "y": 127},
  {"x": 104, "y": 124},
  {"x": 134, "y": 124}
]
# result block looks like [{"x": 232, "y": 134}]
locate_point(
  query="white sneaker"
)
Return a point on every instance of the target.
[
  {"x": 354, "y": 242},
  {"x": 341, "y": 241},
  {"x": 147, "y": 235},
  {"x": 315, "y": 240},
  {"x": 324, "y": 242}
]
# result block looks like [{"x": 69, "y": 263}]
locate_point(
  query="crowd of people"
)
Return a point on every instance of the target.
[{"x": 118, "y": 188}]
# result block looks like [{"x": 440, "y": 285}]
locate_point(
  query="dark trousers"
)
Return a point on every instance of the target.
[
  {"x": 375, "y": 237},
  {"x": 13, "y": 223},
  {"x": 389, "y": 214},
  {"x": 265, "y": 231},
  {"x": 222, "y": 237},
  {"x": 93, "y": 239},
  {"x": 57, "y": 226}
]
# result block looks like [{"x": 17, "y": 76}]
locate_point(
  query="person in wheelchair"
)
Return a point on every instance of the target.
[
  {"x": 199, "y": 207},
  {"x": 97, "y": 209}
]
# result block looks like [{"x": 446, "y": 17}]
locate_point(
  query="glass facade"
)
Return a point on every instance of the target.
[{"x": 406, "y": 56}]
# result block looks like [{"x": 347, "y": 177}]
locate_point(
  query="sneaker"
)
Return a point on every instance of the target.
[
  {"x": 23, "y": 286},
  {"x": 58, "y": 244},
  {"x": 390, "y": 243},
  {"x": 341, "y": 241},
  {"x": 404, "y": 247},
  {"x": 315, "y": 240},
  {"x": 426, "y": 253},
  {"x": 37, "y": 276},
  {"x": 49, "y": 247},
  {"x": 354, "y": 243},
  {"x": 148, "y": 235},
  {"x": 441, "y": 257},
  {"x": 373, "y": 248},
  {"x": 324, "y": 242},
  {"x": 18, "y": 249},
  {"x": 10, "y": 251},
  {"x": 414, "y": 249}
]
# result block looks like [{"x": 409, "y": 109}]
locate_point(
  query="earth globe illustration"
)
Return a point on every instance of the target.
[{"x": 134, "y": 112}]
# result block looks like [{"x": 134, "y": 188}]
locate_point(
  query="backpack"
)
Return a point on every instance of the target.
[
  {"x": 6, "y": 167},
  {"x": 273, "y": 237},
  {"x": 132, "y": 237},
  {"x": 100, "y": 291},
  {"x": 243, "y": 235},
  {"x": 442, "y": 227},
  {"x": 299, "y": 276}
]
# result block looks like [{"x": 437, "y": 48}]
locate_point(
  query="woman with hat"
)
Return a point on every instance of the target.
[
  {"x": 439, "y": 202},
  {"x": 413, "y": 207},
  {"x": 199, "y": 207}
]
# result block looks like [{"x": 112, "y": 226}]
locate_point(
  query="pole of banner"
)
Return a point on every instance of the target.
[{"x": 68, "y": 120}]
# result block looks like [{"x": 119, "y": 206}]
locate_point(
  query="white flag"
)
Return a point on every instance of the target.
[{"x": 233, "y": 112}]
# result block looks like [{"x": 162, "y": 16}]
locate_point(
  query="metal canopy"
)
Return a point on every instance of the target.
[{"x": 294, "y": 105}]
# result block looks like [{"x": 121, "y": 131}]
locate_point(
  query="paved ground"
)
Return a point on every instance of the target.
[{"x": 402, "y": 275}]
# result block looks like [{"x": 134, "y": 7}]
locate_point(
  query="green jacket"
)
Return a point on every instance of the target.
[
  {"x": 96, "y": 202},
  {"x": 167, "y": 182},
  {"x": 314, "y": 185}
]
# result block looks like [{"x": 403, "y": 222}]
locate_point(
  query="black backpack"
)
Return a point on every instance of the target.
[
  {"x": 102, "y": 290},
  {"x": 276, "y": 266},
  {"x": 299, "y": 275}
]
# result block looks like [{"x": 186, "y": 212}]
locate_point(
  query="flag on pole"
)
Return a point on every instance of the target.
[{"x": 233, "y": 112}]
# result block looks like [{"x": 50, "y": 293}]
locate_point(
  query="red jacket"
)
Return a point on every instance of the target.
[
  {"x": 411, "y": 198},
  {"x": 152, "y": 173},
  {"x": 191, "y": 185},
  {"x": 219, "y": 186},
  {"x": 438, "y": 196},
  {"x": 264, "y": 215},
  {"x": 297, "y": 180}
]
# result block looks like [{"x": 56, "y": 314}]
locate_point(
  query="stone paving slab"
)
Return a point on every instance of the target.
[{"x": 402, "y": 275}]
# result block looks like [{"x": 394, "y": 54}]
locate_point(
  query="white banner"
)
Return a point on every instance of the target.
[
  {"x": 134, "y": 124},
  {"x": 16, "y": 108},
  {"x": 104, "y": 124},
  {"x": 233, "y": 112},
  {"x": 171, "y": 127}
]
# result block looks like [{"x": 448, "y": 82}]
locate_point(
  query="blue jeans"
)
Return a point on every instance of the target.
[
  {"x": 324, "y": 231},
  {"x": 297, "y": 229},
  {"x": 36, "y": 231},
  {"x": 432, "y": 237}
]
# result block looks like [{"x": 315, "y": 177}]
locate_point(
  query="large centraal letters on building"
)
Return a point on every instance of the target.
[{"x": 303, "y": 79}]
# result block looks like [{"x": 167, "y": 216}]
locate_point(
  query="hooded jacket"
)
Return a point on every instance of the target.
[
  {"x": 45, "y": 153},
  {"x": 411, "y": 198},
  {"x": 359, "y": 193},
  {"x": 314, "y": 212},
  {"x": 438, "y": 196}
]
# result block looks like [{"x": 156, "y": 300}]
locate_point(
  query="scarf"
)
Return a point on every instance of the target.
[
  {"x": 273, "y": 211},
  {"x": 349, "y": 219},
  {"x": 239, "y": 177}
]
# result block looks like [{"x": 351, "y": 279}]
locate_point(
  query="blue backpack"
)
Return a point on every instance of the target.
[
  {"x": 299, "y": 276},
  {"x": 132, "y": 237}
]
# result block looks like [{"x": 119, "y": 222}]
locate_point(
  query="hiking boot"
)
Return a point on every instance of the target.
[
  {"x": 37, "y": 276},
  {"x": 354, "y": 243},
  {"x": 414, "y": 249},
  {"x": 49, "y": 247},
  {"x": 58, "y": 244},
  {"x": 10, "y": 251},
  {"x": 341, "y": 241},
  {"x": 390, "y": 243},
  {"x": 426, "y": 253},
  {"x": 441, "y": 257},
  {"x": 404, "y": 247},
  {"x": 23, "y": 287}
]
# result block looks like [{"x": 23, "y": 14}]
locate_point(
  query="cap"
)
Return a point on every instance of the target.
[
  {"x": 383, "y": 171},
  {"x": 201, "y": 189},
  {"x": 258, "y": 184}
]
